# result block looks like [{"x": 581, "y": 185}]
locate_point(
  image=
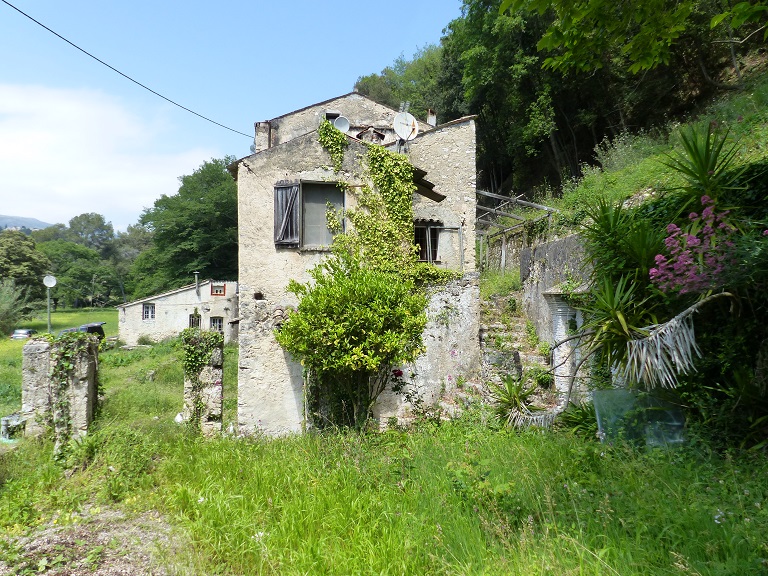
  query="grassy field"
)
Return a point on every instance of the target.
[
  {"x": 462, "y": 497},
  {"x": 10, "y": 350}
]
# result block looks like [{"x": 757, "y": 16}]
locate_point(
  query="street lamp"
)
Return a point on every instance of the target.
[{"x": 50, "y": 282}]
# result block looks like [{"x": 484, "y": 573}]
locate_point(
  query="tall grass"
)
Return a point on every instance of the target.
[{"x": 462, "y": 497}]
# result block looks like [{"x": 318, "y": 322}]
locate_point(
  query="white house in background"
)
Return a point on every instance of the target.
[{"x": 207, "y": 304}]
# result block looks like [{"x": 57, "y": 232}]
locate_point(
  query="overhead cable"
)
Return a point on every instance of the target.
[{"x": 124, "y": 75}]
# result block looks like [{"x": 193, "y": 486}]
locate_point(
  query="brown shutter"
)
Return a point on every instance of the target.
[{"x": 287, "y": 213}]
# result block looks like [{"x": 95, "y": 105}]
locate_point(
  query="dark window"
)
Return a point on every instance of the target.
[
  {"x": 310, "y": 200},
  {"x": 194, "y": 320},
  {"x": 315, "y": 199},
  {"x": 217, "y": 323},
  {"x": 148, "y": 312},
  {"x": 426, "y": 237}
]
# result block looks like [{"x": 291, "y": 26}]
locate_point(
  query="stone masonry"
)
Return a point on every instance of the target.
[
  {"x": 74, "y": 411},
  {"x": 205, "y": 396}
]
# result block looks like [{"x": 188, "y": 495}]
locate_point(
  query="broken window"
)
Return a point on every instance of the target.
[
  {"x": 217, "y": 323},
  {"x": 427, "y": 239},
  {"x": 305, "y": 203},
  {"x": 148, "y": 312}
]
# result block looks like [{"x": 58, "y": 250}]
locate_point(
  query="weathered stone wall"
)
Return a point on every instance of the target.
[
  {"x": 542, "y": 268},
  {"x": 172, "y": 311},
  {"x": 203, "y": 398},
  {"x": 452, "y": 354},
  {"x": 74, "y": 412},
  {"x": 447, "y": 154}
]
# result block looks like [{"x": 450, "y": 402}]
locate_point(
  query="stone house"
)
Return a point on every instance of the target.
[
  {"x": 283, "y": 191},
  {"x": 208, "y": 304}
]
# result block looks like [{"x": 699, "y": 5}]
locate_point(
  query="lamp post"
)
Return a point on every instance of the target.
[{"x": 50, "y": 282}]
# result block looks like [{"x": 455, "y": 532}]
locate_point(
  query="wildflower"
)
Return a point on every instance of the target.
[
  {"x": 397, "y": 373},
  {"x": 719, "y": 517}
]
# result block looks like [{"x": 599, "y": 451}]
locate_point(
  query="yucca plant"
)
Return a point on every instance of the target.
[
  {"x": 706, "y": 162},
  {"x": 512, "y": 401}
]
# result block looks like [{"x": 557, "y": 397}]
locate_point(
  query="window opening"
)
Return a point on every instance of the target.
[
  {"x": 426, "y": 238},
  {"x": 148, "y": 312},
  {"x": 218, "y": 289},
  {"x": 300, "y": 209},
  {"x": 217, "y": 323},
  {"x": 194, "y": 320}
]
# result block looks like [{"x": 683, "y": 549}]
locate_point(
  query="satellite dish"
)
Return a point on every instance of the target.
[
  {"x": 341, "y": 124},
  {"x": 406, "y": 126},
  {"x": 49, "y": 281}
]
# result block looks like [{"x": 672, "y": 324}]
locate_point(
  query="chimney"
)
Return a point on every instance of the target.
[
  {"x": 197, "y": 283},
  {"x": 431, "y": 117},
  {"x": 263, "y": 138}
]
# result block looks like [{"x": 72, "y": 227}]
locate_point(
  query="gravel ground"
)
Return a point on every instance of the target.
[{"x": 99, "y": 542}]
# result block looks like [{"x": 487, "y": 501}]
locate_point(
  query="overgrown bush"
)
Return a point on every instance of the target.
[{"x": 353, "y": 325}]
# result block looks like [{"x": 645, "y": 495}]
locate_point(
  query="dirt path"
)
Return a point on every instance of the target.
[{"x": 98, "y": 542}]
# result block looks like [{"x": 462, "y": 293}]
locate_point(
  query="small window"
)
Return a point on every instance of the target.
[
  {"x": 427, "y": 236},
  {"x": 148, "y": 312},
  {"x": 194, "y": 320},
  {"x": 217, "y": 323},
  {"x": 300, "y": 209},
  {"x": 218, "y": 289}
]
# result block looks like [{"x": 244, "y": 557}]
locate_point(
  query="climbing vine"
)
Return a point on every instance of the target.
[
  {"x": 334, "y": 141},
  {"x": 197, "y": 347},
  {"x": 65, "y": 352}
]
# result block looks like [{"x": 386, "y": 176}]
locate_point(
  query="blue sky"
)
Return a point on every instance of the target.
[{"x": 76, "y": 137}]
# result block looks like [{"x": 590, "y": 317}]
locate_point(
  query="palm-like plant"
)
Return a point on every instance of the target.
[
  {"x": 706, "y": 163},
  {"x": 512, "y": 401}
]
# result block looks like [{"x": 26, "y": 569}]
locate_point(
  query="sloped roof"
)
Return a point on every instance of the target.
[{"x": 169, "y": 293}]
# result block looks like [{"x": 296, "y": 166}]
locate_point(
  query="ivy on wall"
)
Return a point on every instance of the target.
[
  {"x": 66, "y": 350},
  {"x": 197, "y": 348},
  {"x": 334, "y": 141}
]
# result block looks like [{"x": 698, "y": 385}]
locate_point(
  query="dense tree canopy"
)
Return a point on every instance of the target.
[
  {"x": 549, "y": 81},
  {"x": 192, "y": 230},
  {"x": 21, "y": 261}
]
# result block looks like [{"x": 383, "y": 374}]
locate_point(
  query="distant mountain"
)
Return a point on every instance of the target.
[{"x": 20, "y": 221}]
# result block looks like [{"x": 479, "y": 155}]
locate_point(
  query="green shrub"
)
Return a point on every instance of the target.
[{"x": 353, "y": 326}]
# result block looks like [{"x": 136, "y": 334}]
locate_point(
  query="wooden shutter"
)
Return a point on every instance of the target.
[{"x": 287, "y": 213}]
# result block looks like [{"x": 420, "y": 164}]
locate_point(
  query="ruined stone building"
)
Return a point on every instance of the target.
[{"x": 283, "y": 190}]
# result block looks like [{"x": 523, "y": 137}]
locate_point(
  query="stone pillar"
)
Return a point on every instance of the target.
[
  {"x": 36, "y": 386},
  {"x": 203, "y": 398},
  {"x": 68, "y": 406}
]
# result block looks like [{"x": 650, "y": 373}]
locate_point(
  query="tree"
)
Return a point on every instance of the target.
[
  {"x": 192, "y": 230},
  {"x": 414, "y": 81},
  {"x": 13, "y": 305},
  {"x": 82, "y": 277},
  {"x": 21, "y": 261},
  {"x": 127, "y": 247},
  {"x": 91, "y": 230}
]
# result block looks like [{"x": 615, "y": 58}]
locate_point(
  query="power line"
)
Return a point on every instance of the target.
[{"x": 124, "y": 75}]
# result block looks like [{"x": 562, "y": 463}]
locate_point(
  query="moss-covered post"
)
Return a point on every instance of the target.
[{"x": 203, "y": 373}]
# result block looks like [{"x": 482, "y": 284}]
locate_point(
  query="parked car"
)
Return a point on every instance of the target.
[
  {"x": 90, "y": 328},
  {"x": 23, "y": 333}
]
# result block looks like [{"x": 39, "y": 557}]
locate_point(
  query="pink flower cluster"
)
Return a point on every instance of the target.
[{"x": 697, "y": 255}]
